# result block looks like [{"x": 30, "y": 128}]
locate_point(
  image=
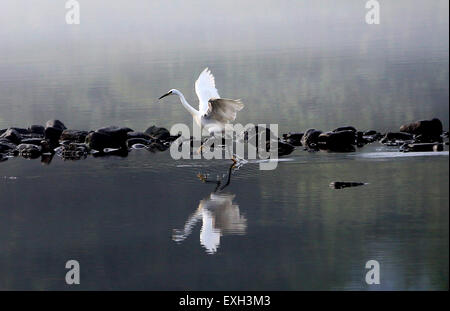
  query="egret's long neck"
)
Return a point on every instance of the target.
[{"x": 184, "y": 102}]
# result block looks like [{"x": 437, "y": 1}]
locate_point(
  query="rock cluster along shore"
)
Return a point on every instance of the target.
[{"x": 55, "y": 138}]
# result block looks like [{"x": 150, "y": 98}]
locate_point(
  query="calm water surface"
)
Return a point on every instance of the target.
[{"x": 147, "y": 221}]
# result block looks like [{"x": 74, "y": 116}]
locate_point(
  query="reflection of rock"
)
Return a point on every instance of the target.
[
  {"x": 6, "y": 146},
  {"x": 421, "y": 147},
  {"x": 283, "y": 148},
  {"x": 29, "y": 151},
  {"x": 219, "y": 217},
  {"x": 73, "y": 151},
  {"x": 134, "y": 141},
  {"x": 345, "y": 184}
]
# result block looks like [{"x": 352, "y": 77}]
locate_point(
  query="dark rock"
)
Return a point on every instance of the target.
[
  {"x": 53, "y": 130},
  {"x": 370, "y": 136},
  {"x": 56, "y": 124},
  {"x": 12, "y": 135},
  {"x": 29, "y": 151},
  {"x": 2, "y": 131},
  {"x": 100, "y": 141},
  {"x": 337, "y": 141},
  {"x": 158, "y": 132},
  {"x": 52, "y": 134},
  {"x": 37, "y": 129},
  {"x": 310, "y": 138},
  {"x": 138, "y": 135},
  {"x": 3, "y": 158},
  {"x": 345, "y": 128},
  {"x": 46, "y": 147},
  {"x": 396, "y": 138},
  {"x": 421, "y": 138},
  {"x": 294, "y": 139},
  {"x": 345, "y": 184},
  {"x": 108, "y": 137},
  {"x": 253, "y": 133},
  {"x": 429, "y": 128},
  {"x": 369, "y": 133},
  {"x": 119, "y": 134},
  {"x": 21, "y": 131},
  {"x": 74, "y": 136}
]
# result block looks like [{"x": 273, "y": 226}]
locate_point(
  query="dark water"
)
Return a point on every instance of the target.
[{"x": 148, "y": 222}]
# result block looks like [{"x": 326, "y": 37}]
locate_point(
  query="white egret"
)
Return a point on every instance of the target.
[{"x": 213, "y": 112}]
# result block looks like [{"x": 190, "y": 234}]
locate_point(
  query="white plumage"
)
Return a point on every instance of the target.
[{"x": 214, "y": 112}]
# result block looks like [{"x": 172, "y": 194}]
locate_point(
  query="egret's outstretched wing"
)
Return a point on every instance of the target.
[
  {"x": 223, "y": 109},
  {"x": 205, "y": 87}
]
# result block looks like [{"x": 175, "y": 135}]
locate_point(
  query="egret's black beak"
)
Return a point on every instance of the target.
[{"x": 167, "y": 94}]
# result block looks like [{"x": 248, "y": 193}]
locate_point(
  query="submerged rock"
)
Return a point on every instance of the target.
[
  {"x": 345, "y": 184},
  {"x": 12, "y": 135}
]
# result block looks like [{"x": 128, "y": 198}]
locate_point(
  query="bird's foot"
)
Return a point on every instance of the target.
[
  {"x": 202, "y": 177},
  {"x": 237, "y": 162}
]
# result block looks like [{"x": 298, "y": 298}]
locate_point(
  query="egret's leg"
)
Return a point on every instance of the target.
[{"x": 211, "y": 140}]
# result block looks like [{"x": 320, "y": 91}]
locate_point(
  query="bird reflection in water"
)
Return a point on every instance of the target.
[{"x": 218, "y": 214}]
